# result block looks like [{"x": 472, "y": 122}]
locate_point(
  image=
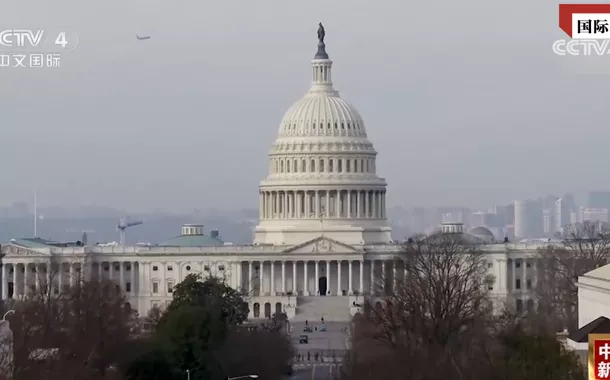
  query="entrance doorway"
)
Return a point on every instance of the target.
[{"x": 322, "y": 285}]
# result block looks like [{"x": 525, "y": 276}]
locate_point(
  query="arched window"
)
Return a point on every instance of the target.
[
  {"x": 342, "y": 126},
  {"x": 330, "y": 165},
  {"x": 322, "y": 166},
  {"x": 287, "y": 166},
  {"x": 295, "y": 166},
  {"x": 304, "y": 166},
  {"x": 340, "y": 165},
  {"x": 313, "y": 165},
  {"x": 281, "y": 166},
  {"x": 348, "y": 166},
  {"x": 336, "y": 127},
  {"x": 362, "y": 165},
  {"x": 348, "y": 126}
]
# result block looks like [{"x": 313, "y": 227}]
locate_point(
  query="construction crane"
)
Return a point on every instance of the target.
[{"x": 123, "y": 225}]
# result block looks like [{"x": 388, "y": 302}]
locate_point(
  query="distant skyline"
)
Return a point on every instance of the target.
[{"x": 470, "y": 111}]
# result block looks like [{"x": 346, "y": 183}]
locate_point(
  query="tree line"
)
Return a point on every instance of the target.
[
  {"x": 443, "y": 321},
  {"x": 89, "y": 331}
]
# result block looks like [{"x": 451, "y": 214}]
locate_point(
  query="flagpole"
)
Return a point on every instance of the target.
[{"x": 35, "y": 215}]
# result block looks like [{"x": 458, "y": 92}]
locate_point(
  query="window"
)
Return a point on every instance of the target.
[
  {"x": 221, "y": 267},
  {"x": 170, "y": 268},
  {"x": 528, "y": 283},
  {"x": 361, "y": 166},
  {"x": 281, "y": 166},
  {"x": 348, "y": 166},
  {"x": 303, "y": 167},
  {"x": 517, "y": 284},
  {"x": 170, "y": 287},
  {"x": 155, "y": 268},
  {"x": 287, "y": 166},
  {"x": 339, "y": 165},
  {"x": 313, "y": 165},
  {"x": 322, "y": 166},
  {"x": 128, "y": 287},
  {"x": 188, "y": 267},
  {"x": 490, "y": 265},
  {"x": 518, "y": 264},
  {"x": 528, "y": 265},
  {"x": 155, "y": 287},
  {"x": 206, "y": 268},
  {"x": 330, "y": 166}
]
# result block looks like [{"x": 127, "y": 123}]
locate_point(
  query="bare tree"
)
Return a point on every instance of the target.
[
  {"x": 434, "y": 320},
  {"x": 586, "y": 246}
]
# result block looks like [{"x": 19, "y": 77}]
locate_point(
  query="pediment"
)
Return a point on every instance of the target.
[{"x": 322, "y": 245}]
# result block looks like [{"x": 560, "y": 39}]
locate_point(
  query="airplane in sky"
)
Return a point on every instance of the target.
[{"x": 142, "y": 38}]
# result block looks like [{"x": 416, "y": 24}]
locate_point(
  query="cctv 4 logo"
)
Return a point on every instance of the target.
[{"x": 23, "y": 38}]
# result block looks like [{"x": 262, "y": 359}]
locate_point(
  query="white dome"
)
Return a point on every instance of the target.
[
  {"x": 319, "y": 114},
  {"x": 322, "y": 172}
]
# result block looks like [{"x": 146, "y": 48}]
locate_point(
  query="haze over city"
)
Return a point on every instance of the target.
[{"x": 185, "y": 119}]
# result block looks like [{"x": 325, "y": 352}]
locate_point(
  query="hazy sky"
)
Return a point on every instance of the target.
[{"x": 464, "y": 101}]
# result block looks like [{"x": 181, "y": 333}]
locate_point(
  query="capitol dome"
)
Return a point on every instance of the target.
[{"x": 322, "y": 172}]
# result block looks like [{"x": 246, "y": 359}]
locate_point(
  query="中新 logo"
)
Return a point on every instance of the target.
[
  {"x": 588, "y": 29},
  {"x": 599, "y": 356}
]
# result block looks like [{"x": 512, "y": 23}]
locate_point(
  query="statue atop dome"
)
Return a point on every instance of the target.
[
  {"x": 321, "y": 54},
  {"x": 321, "y": 32}
]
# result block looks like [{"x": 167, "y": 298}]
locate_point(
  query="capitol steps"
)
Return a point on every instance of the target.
[{"x": 313, "y": 308}]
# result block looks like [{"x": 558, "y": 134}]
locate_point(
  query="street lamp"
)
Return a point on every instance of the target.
[
  {"x": 7, "y": 313},
  {"x": 243, "y": 377}
]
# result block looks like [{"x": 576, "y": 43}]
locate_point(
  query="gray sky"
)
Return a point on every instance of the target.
[{"x": 464, "y": 101}]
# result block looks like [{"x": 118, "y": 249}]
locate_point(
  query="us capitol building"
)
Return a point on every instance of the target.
[{"x": 322, "y": 242}]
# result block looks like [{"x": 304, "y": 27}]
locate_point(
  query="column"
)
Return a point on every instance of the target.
[
  {"x": 338, "y": 204},
  {"x": 261, "y": 205},
  {"x": 383, "y": 272},
  {"x": 317, "y": 205},
  {"x": 4, "y": 281},
  {"x": 294, "y": 278},
  {"x": 349, "y": 278},
  {"x": 327, "y": 276},
  {"x": 285, "y": 206},
  {"x": 349, "y": 204},
  {"x": 272, "y": 278},
  {"x": 524, "y": 270},
  {"x": 316, "y": 280},
  {"x": 374, "y": 204},
  {"x": 383, "y": 204},
  {"x": 307, "y": 201},
  {"x": 305, "y": 282},
  {"x": 283, "y": 277},
  {"x": 261, "y": 277},
  {"x": 361, "y": 277},
  {"x": 49, "y": 284},
  {"x": 15, "y": 288},
  {"x": 366, "y": 204},
  {"x": 71, "y": 273},
  {"x": 514, "y": 276},
  {"x": 358, "y": 207},
  {"x": 250, "y": 288},
  {"x": 122, "y": 274},
  {"x": 327, "y": 211},
  {"x": 298, "y": 204},
  {"x": 372, "y": 277},
  {"x": 133, "y": 277},
  {"x": 276, "y": 197},
  {"x": 339, "y": 290}
]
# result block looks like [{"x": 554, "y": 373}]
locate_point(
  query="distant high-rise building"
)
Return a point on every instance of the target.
[
  {"x": 593, "y": 214},
  {"x": 598, "y": 199},
  {"x": 520, "y": 219},
  {"x": 528, "y": 218}
]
